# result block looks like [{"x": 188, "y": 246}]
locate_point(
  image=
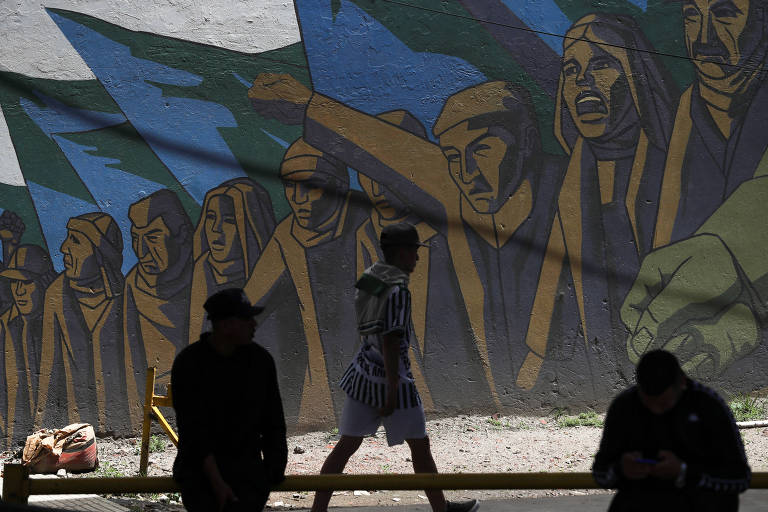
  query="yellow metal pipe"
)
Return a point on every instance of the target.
[{"x": 346, "y": 482}]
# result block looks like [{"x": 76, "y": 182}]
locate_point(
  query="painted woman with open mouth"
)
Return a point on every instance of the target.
[{"x": 613, "y": 117}]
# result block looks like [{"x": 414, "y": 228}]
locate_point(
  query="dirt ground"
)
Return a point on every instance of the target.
[{"x": 460, "y": 444}]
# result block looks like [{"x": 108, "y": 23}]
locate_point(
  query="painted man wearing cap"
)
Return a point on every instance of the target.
[
  {"x": 314, "y": 248},
  {"x": 29, "y": 273},
  {"x": 495, "y": 210},
  {"x": 433, "y": 287},
  {"x": 379, "y": 384},
  {"x": 157, "y": 288},
  {"x": 232, "y": 446},
  {"x": 11, "y": 230},
  {"x": 671, "y": 444},
  {"x": 82, "y": 367}
]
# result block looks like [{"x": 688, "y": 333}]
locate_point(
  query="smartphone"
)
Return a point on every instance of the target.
[{"x": 646, "y": 461}]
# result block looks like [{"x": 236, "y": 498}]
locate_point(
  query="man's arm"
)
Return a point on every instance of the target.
[
  {"x": 396, "y": 318},
  {"x": 725, "y": 469},
  {"x": 188, "y": 392},
  {"x": 616, "y": 461},
  {"x": 382, "y": 151},
  {"x": 274, "y": 446},
  {"x": 390, "y": 348}
]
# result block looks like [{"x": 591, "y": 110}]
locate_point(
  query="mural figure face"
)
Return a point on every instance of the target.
[
  {"x": 313, "y": 197},
  {"x": 154, "y": 246},
  {"x": 386, "y": 202},
  {"x": 714, "y": 35},
  {"x": 27, "y": 295},
  {"x": 595, "y": 89},
  {"x": 79, "y": 258},
  {"x": 477, "y": 159},
  {"x": 221, "y": 229}
]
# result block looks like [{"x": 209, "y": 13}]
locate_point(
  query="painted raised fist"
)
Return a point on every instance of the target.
[{"x": 280, "y": 96}]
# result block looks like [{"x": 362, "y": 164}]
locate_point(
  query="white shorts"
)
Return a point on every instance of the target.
[{"x": 359, "y": 419}]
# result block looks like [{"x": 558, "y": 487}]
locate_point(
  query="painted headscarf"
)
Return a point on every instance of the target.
[
  {"x": 650, "y": 85},
  {"x": 104, "y": 233},
  {"x": 254, "y": 218}
]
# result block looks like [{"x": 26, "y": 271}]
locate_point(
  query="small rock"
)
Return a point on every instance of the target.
[
  {"x": 278, "y": 504},
  {"x": 395, "y": 499},
  {"x": 62, "y": 473},
  {"x": 543, "y": 422},
  {"x": 421, "y": 496},
  {"x": 362, "y": 493},
  {"x": 298, "y": 449},
  {"x": 340, "y": 493}
]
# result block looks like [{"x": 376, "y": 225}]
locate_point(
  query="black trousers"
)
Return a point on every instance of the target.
[
  {"x": 201, "y": 498},
  {"x": 682, "y": 500}
]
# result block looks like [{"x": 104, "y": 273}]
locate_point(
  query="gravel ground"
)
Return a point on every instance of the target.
[{"x": 460, "y": 444}]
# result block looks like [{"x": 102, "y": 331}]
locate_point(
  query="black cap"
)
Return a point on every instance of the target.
[
  {"x": 401, "y": 233},
  {"x": 230, "y": 302},
  {"x": 657, "y": 371}
]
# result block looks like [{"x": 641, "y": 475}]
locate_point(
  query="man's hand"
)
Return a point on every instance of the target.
[
  {"x": 389, "y": 406},
  {"x": 224, "y": 495},
  {"x": 687, "y": 299},
  {"x": 668, "y": 467},
  {"x": 280, "y": 96},
  {"x": 632, "y": 469},
  {"x": 11, "y": 227}
]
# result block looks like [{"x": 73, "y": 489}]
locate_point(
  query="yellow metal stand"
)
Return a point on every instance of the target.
[{"x": 152, "y": 402}]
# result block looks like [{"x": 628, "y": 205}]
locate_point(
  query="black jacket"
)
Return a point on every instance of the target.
[
  {"x": 228, "y": 406},
  {"x": 699, "y": 429}
]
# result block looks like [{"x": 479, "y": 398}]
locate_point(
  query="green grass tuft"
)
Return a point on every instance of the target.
[
  {"x": 156, "y": 444},
  {"x": 584, "y": 419},
  {"x": 747, "y": 408}
]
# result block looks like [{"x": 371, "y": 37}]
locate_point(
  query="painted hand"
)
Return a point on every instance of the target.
[
  {"x": 691, "y": 298},
  {"x": 280, "y": 96},
  {"x": 11, "y": 227}
]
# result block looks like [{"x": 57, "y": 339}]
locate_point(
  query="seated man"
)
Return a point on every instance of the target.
[
  {"x": 232, "y": 446},
  {"x": 671, "y": 443}
]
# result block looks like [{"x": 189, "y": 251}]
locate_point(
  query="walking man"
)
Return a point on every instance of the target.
[
  {"x": 232, "y": 446},
  {"x": 379, "y": 384},
  {"x": 671, "y": 444}
]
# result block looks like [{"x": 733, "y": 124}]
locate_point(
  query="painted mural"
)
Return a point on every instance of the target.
[{"x": 591, "y": 183}]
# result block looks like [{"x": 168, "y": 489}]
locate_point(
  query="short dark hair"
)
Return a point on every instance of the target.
[{"x": 657, "y": 371}]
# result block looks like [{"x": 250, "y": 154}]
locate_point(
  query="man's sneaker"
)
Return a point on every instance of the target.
[{"x": 462, "y": 506}]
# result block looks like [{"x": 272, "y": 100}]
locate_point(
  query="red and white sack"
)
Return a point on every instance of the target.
[{"x": 72, "y": 448}]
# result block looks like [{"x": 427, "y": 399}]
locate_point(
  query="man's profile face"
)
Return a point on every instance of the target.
[
  {"x": 154, "y": 246},
  {"x": 594, "y": 88},
  {"x": 713, "y": 35},
  {"x": 79, "y": 259},
  {"x": 386, "y": 202},
  {"x": 313, "y": 196},
  {"x": 27, "y": 295},
  {"x": 221, "y": 229},
  {"x": 475, "y": 158}
]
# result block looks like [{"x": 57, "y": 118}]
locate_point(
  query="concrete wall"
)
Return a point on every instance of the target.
[{"x": 588, "y": 179}]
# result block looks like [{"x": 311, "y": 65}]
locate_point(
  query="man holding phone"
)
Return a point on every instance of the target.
[{"x": 671, "y": 443}]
